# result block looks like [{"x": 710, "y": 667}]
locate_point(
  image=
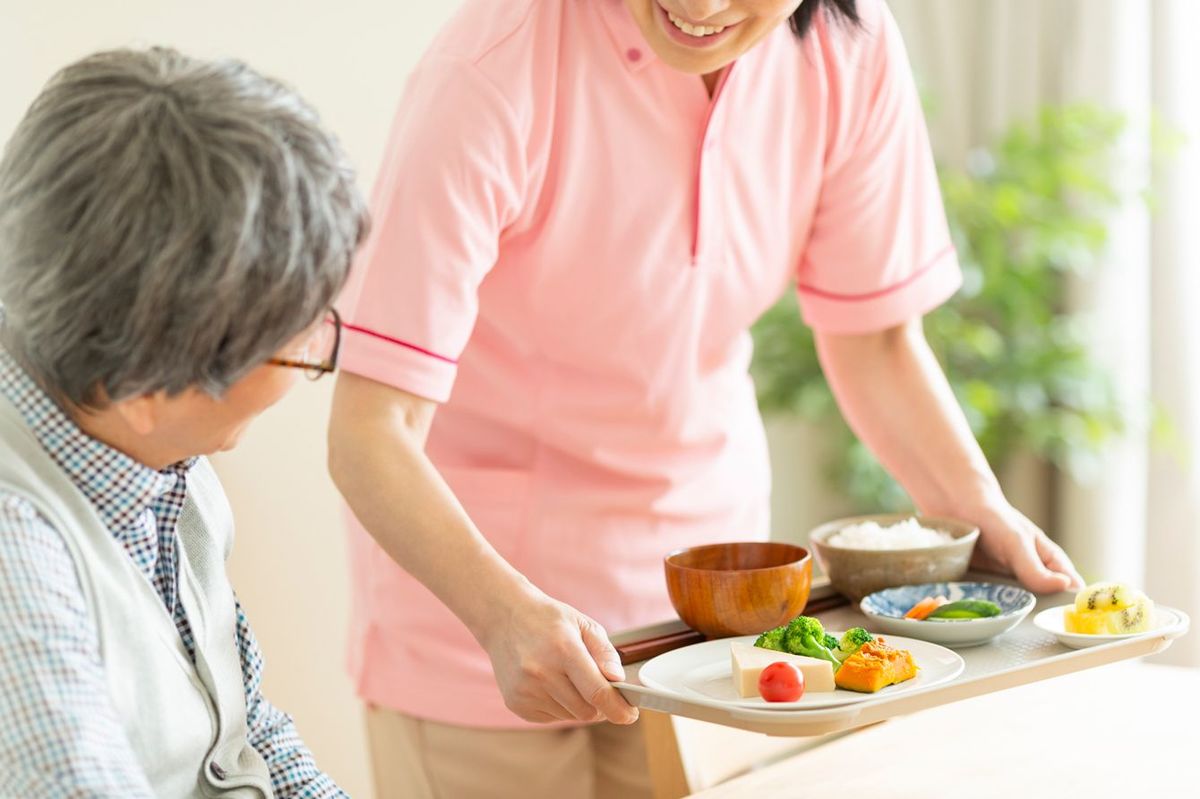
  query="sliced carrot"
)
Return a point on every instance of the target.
[{"x": 928, "y": 605}]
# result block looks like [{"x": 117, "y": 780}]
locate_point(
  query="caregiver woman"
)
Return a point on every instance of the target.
[{"x": 584, "y": 206}]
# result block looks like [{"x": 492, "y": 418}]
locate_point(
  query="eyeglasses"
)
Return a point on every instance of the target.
[{"x": 320, "y": 354}]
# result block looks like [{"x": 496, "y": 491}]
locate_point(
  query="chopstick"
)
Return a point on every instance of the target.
[
  {"x": 653, "y": 647},
  {"x": 657, "y": 644}
]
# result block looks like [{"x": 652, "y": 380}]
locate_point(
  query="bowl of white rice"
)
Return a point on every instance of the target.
[{"x": 864, "y": 554}]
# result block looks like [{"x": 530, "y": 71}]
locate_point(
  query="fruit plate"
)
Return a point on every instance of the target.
[
  {"x": 704, "y": 671},
  {"x": 886, "y": 610},
  {"x": 1166, "y": 621}
]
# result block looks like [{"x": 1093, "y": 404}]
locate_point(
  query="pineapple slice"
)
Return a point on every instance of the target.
[{"x": 1085, "y": 622}]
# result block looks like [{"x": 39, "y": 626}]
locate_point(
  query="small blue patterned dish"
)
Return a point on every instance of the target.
[{"x": 885, "y": 609}]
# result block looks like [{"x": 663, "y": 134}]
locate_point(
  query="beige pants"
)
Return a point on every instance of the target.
[{"x": 416, "y": 759}]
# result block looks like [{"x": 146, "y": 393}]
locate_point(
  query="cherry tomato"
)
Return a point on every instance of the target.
[{"x": 781, "y": 682}]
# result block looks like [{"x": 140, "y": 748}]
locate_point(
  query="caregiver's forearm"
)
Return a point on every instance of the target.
[
  {"x": 377, "y": 459},
  {"x": 895, "y": 396}
]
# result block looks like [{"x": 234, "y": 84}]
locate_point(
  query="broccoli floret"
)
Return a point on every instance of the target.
[
  {"x": 772, "y": 639},
  {"x": 805, "y": 636},
  {"x": 831, "y": 641},
  {"x": 852, "y": 641}
]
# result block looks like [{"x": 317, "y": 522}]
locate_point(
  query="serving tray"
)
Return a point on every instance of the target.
[{"x": 1023, "y": 655}]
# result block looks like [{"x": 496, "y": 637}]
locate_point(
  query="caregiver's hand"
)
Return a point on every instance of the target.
[
  {"x": 893, "y": 393},
  {"x": 1011, "y": 544},
  {"x": 553, "y": 663}
]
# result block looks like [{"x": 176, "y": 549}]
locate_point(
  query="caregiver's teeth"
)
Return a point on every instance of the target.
[{"x": 694, "y": 30}]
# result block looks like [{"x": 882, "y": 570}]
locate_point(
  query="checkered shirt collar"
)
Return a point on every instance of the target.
[{"x": 120, "y": 488}]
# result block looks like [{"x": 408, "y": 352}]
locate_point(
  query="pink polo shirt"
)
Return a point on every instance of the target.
[{"x": 571, "y": 242}]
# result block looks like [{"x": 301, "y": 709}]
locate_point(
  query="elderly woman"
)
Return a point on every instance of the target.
[{"x": 172, "y": 235}]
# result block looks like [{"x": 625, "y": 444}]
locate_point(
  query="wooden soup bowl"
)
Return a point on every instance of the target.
[{"x": 740, "y": 588}]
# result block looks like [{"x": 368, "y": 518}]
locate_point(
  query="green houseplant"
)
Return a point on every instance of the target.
[{"x": 1026, "y": 216}]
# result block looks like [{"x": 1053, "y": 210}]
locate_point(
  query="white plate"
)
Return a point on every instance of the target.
[
  {"x": 1166, "y": 620},
  {"x": 704, "y": 670}
]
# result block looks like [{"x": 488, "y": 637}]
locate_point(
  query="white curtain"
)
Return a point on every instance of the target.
[{"x": 987, "y": 63}]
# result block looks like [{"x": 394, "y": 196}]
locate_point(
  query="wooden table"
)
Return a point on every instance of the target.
[{"x": 1125, "y": 730}]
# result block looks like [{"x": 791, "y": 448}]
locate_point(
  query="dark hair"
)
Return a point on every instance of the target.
[{"x": 803, "y": 16}]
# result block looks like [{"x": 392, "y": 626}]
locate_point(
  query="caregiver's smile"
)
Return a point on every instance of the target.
[{"x": 704, "y": 36}]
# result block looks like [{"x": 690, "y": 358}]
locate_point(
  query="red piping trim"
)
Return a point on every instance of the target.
[
  {"x": 391, "y": 340},
  {"x": 871, "y": 295}
]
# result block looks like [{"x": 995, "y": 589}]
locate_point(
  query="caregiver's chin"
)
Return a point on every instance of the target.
[{"x": 744, "y": 23}]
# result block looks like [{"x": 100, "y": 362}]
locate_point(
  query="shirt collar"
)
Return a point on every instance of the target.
[
  {"x": 635, "y": 52},
  {"x": 120, "y": 488},
  {"x": 623, "y": 30}
]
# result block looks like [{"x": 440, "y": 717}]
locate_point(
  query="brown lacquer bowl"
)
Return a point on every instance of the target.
[{"x": 740, "y": 588}]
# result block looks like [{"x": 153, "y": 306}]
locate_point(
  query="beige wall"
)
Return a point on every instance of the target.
[{"x": 349, "y": 58}]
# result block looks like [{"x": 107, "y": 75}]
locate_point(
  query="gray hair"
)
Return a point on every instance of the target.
[{"x": 167, "y": 223}]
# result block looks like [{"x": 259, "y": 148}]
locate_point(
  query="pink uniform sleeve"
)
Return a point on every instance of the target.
[
  {"x": 450, "y": 183},
  {"x": 879, "y": 251}
]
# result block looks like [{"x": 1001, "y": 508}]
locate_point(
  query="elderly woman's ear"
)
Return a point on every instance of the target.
[{"x": 139, "y": 413}]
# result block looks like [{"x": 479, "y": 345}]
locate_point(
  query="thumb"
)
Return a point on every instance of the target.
[
  {"x": 1027, "y": 566},
  {"x": 602, "y": 650}
]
